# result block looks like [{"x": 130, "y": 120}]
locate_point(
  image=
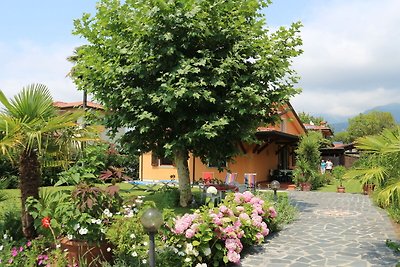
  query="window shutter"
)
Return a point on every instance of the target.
[{"x": 154, "y": 160}]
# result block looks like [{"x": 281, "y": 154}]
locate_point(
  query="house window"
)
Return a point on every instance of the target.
[
  {"x": 224, "y": 164},
  {"x": 156, "y": 161}
]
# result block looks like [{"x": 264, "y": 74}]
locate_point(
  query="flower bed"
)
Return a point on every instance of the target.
[{"x": 212, "y": 235}]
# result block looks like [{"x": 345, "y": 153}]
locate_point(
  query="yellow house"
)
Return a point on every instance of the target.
[{"x": 275, "y": 153}]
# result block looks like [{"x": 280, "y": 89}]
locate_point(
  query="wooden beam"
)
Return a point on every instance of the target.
[
  {"x": 242, "y": 147},
  {"x": 261, "y": 148},
  {"x": 256, "y": 148}
]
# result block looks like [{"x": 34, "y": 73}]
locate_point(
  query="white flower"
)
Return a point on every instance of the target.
[
  {"x": 195, "y": 252},
  {"x": 58, "y": 246},
  {"x": 201, "y": 265},
  {"x": 144, "y": 261},
  {"x": 212, "y": 190},
  {"x": 108, "y": 249},
  {"x": 1, "y": 247},
  {"x": 207, "y": 252},
  {"x": 76, "y": 226},
  {"x": 83, "y": 231},
  {"x": 145, "y": 243},
  {"x": 132, "y": 236},
  {"x": 189, "y": 248},
  {"x": 134, "y": 254},
  {"x": 188, "y": 259},
  {"x": 5, "y": 236},
  {"x": 107, "y": 213},
  {"x": 102, "y": 230},
  {"x": 96, "y": 221},
  {"x": 129, "y": 214},
  {"x": 69, "y": 236}
]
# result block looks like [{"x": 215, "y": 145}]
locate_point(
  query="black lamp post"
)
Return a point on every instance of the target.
[
  {"x": 152, "y": 220},
  {"x": 275, "y": 185}
]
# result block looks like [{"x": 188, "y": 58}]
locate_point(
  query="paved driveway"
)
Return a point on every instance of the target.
[{"x": 332, "y": 230}]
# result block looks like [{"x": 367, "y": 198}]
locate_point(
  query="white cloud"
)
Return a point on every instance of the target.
[
  {"x": 352, "y": 56},
  {"x": 28, "y": 62},
  {"x": 344, "y": 104}
]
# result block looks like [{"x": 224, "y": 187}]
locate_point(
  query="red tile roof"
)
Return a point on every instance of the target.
[{"x": 64, "y": 105}]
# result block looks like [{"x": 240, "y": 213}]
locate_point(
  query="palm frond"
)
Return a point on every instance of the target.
[
  {"x": 390, "y": 195},
  {"x": 376, "y": 175}
]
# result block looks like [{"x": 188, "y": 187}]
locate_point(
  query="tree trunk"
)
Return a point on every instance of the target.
[
  {"x": 29, "y": 176},
  {"x": 181, "y": 161}
]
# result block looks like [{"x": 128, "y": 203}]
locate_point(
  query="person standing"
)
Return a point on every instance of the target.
[
  {"x": 329, "y": 166},
  {"x": 323, "y": 166}
]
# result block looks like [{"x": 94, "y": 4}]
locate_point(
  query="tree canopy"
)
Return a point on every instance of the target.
[
  {"x": 371, "y": 123},
  {"x": 186, "y": 76},
  {"x": 308, "y": 118}
]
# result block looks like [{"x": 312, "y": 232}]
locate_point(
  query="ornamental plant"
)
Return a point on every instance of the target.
[
  {"x": 214, "y": 235},
  {"x": 31, "y": 253},
  {"x": 84, "y": 213}
]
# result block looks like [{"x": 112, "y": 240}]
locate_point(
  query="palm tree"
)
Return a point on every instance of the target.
[
  {"x": 380, "y": 165},
  {"x": 29, "y": 127}
]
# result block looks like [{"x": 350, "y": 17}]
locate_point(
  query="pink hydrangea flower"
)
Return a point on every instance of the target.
[
  {"x": 189, "y": 233},
  {"x": 233, "y": 256},
  {"x": 272, "y": 212}
]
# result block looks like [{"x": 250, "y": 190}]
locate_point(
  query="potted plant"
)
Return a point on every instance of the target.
[
  {"x": 338, "y": 173},
  {"x": 303, "y": 175},
  {"x": 77, "y": 220}
]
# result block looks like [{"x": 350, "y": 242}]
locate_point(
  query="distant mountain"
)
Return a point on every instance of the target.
[
  {"x": 340, "y": 124},
  {"x": 392, "y": 108}
]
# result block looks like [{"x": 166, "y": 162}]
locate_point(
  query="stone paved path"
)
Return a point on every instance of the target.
[{"x": 332, "y": 230}]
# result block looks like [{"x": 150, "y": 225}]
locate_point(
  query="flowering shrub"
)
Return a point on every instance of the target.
[
  {"x": 31, "y": 253},
  {"x": 83, "y": 214},
  {"x": 214, "y": 235}
]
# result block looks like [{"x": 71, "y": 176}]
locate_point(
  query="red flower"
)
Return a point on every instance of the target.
[{"x": 46, "y": 222}]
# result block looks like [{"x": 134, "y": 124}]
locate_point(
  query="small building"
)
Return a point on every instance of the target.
[
  {"x": 323, "y": 128},
  {"x": 274, "y": 152}
]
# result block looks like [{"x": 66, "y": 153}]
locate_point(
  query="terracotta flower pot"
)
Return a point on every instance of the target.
[
  {"x": 341, "y": 189},
  {"x": 82, "y": 251},
  {"x": 306, "y": 187}
]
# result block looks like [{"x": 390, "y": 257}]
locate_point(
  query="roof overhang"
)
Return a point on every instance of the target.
[{"x": 277, "y": 137}]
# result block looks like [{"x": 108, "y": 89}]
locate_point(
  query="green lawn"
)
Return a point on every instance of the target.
[
  {"x": 12, "y": 197},
  {"x": 352, "y": 186}
]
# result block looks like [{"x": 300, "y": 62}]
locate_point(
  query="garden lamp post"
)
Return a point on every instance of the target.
[
  {"x": 152, "y": 220},
  {"x": 275, "y": 185}
]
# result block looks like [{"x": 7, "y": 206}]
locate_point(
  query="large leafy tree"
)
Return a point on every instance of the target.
[
  {"x": 371, "y": 123},
  {"x": 30, "y": 127},
  {"x": 186, "y": 76}
]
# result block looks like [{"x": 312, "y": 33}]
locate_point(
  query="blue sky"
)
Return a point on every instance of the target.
[{"x": 351, "y": 60}]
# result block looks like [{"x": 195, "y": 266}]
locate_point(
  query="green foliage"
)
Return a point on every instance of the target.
[
  {"x": 341, "y": 137},
  {"x": 379, "y": 165},
  {"x": 308, "y": 157},
  {"x": 371, "y": 123},
  {"x": 10, "y": 224},
  {"x": 152, "y": 62},
  {"x": 287, "y": 213},
  {"x": 84, "y": 214},
  {"x": 338, "y": 172},
  {"x": 308, "y": 118},
  {"x": 31, "y": 253}
]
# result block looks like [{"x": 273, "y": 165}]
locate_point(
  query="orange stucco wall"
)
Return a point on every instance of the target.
[{"x": 249, "y": 162}]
